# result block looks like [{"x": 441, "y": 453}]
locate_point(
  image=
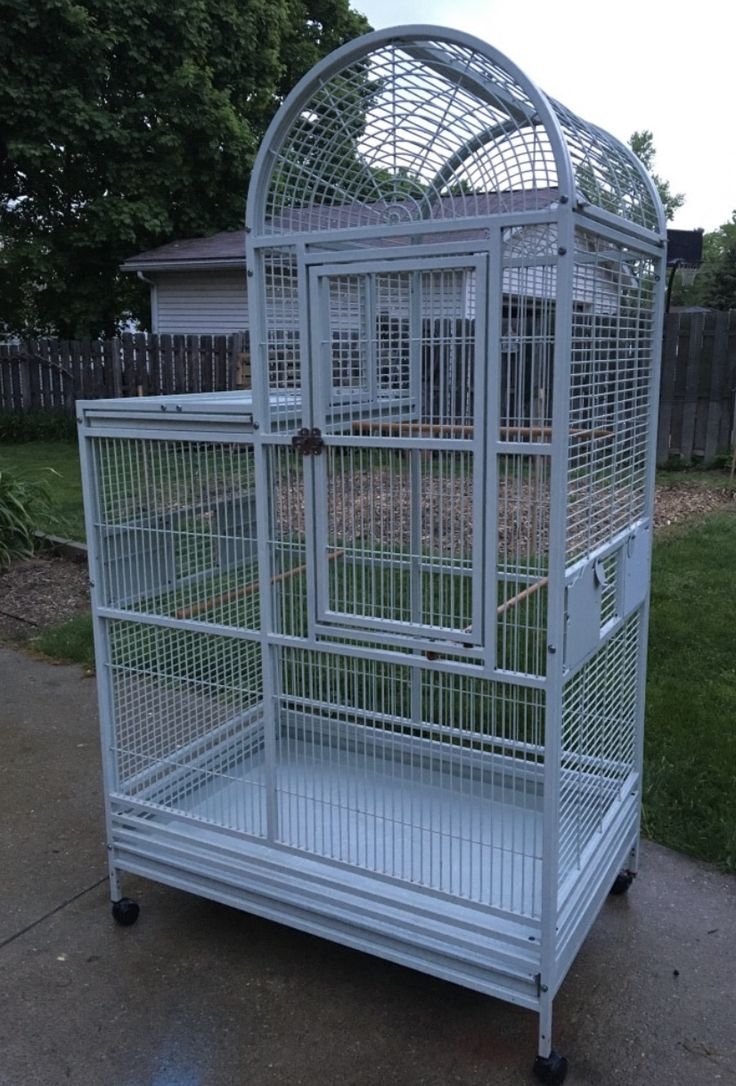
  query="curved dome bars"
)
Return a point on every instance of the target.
[
  {"x": 598, "y": 181},
  {"x": 608, "y": 174},
  {"x": 443, "y": 178},
  {"x": 405, "y": 124}
]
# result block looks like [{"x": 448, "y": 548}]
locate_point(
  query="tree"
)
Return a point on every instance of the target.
[
  {"x": 715, "y": 285},
  {"x": 128, "y": 123},
  {"x": 321, "y": 155},
  {"x": 642, "y": 144}
]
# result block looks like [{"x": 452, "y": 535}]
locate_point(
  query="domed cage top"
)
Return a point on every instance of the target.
[
  {"x": 419, "y": 124},
  {"x": 371, "y": 635}
]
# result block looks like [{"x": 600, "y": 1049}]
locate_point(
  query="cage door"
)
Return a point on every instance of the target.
[{"x": 398, "y": 370}]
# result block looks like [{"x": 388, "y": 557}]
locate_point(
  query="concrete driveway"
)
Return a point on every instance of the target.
[{"x": 196, "y": 994}]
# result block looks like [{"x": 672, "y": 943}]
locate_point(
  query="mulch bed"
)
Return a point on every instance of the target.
[
  {"x": 675, "y": 504},
  {"x": 41, "y": 592},
  {"x": 46, "y": 591}
]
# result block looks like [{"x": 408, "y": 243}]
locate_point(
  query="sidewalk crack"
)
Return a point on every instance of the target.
[{"x": 51, "y": 912}]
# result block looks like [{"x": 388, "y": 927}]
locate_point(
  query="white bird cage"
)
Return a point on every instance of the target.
[{"x": 371, "y": 639}]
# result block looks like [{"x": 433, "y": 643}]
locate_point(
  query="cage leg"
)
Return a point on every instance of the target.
[
  {"x": 116, "y": 890},
  {"x": 626, "y": 876},
  {"x": 124, "y": 909},
  {"x": 545, "y": 1025},
  {"x": 549, "y": 1067}
]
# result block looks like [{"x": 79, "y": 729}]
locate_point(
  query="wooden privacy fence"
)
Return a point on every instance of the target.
[
  {"x": 50, "y": 374},
  {"x": 696, "y": 403},
  {"x": 696, "y": 411}
]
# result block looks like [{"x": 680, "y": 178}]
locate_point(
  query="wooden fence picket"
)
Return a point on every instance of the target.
[{"x": 696, "y": 406}]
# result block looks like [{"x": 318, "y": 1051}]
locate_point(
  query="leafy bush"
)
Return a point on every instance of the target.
[
  {"x": 23, "y": 503},
  {"x": 36, "y": 426}
]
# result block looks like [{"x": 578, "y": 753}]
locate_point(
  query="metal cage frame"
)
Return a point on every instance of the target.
[{"x": 371, "y": 637}]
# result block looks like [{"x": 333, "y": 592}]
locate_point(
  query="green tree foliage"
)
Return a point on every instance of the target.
[
  {"x": 642, "y": 144},
  {"x": 321, "y": 156},
  {"x": 715, "y": 285},
  {"x": 127, "y": 123}
]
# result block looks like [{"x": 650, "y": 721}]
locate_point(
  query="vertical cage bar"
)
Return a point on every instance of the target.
[
  {"x": 91, "y": 495},
  {"x": 556, "y": 598}
]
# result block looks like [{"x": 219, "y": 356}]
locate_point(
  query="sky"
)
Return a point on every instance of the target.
[{"x": 625, "y": 66}]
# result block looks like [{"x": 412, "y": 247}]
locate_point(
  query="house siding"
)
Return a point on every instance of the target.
[
  {"x": 205, "y": 302},
  {"x": 215, "y": 302}
]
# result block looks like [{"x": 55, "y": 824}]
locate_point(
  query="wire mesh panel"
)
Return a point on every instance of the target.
[
  {"x": 428, "y": 778},
  {"x": 175, "y": 529},
  {"x": 523, "y": 563},
  {"x": 526, "y": 351},
  {"x": 175, "y": 535},
  {"x": 280, "y": 346},
  {"x": 386, "y": 138},
  {"x": 611, "y": 374},
  {"x": 599, "y": 724},
  {"x": 396, "y": 366},
  {"x": 607, "y": 174},
  {"x": 188, "y": 735},
  {"x": 289, "y": 572},
  {"x": 609, "y": 451},
  {"x": 400, "y": 540}
]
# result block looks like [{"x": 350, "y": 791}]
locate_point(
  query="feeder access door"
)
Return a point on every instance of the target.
[{"x": 398, "y": 364}]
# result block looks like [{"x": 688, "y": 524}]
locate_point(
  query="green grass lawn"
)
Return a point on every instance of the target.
[
  {"x": 717, "y": 479},
  {"x": 690, "y": 770},
  {"x": 32, "y": 460},
  {"x": 71, "y": 641}
]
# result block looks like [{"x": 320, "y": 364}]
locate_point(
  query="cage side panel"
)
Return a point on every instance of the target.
[
  {"x": 287, "y": 540},
  {"x": 611, "y": 385},
  {"x": 608, "y": 535},
  {"x": 430, "y": 778},
  {"x": 176, "y": 530},
  {"x": 188, "y": 723},
  {"x": 523, "y": 563},
  {"x": 526, "y": 355},
  {"x": 600, "y": 726},
  {"x": 277, "y": 344}
]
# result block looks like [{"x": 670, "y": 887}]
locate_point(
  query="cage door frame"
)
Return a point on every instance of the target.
[{"x": 332, "y": 412}]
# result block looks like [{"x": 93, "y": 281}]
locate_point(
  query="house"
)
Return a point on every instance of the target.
[{"x": 199, "y": 285}]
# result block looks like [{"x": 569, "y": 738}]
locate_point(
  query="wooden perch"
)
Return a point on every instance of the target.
[
  {"x": 520, "y": 596},
  {"x": 461, "y": 430},
  {"x": 419, "y": 429},
  {"x": 219, "y": 601},
  {"x": 245, "y": 590},
  {"x": 502, "y": 608},
  {"x": 251, "y": 587}
]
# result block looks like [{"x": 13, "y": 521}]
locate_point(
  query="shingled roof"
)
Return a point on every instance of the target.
[{"x": 227, "y": 249}]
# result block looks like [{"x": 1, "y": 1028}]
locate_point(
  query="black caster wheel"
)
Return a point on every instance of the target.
[
  {"x": 621, "y": 883},
  {"x": 551, "y": 1069},
  {"x": 125, "y": 912}
]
